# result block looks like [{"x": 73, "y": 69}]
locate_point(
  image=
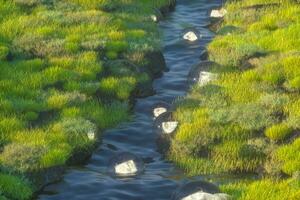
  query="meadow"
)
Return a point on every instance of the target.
[
  {"x": 248, "y": 120},
  {"x": 68, "y": 70}
]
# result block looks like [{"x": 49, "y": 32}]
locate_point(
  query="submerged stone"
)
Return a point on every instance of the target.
[
  {"x": 126, "y": 164},
  {"x": 218, "y": 13}
]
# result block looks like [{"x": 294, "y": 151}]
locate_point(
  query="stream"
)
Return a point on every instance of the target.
[{"x": 160, "y": 178}]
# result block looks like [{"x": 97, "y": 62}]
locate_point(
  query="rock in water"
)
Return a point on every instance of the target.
[
  {"x": 223, "y": 196},
  {"x": 158, "y": 111},
  {"x": 218, "y": 13},
  {"x": 206, "y": 196},
  {"x": 200, "y": 196},
  {"x": 169, "y": 127},
  {"x": 160, "y": 108},
  {"x": 126, "y": 164},
  {"x": 194, "y": 189},
  {"x": 125, "y": 168},
  {"x": 165, "y": 124},
  {"x": 190, "y": 36}
]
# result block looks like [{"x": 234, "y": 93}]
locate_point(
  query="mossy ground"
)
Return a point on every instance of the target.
[
  {"x": 248, "y": 120},
  {"x": 63, "y": 74}
]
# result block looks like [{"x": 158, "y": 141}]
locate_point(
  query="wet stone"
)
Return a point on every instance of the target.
[
  {"x": 206, "y": 196},
  {"x": 160, "y": 108},
  {"x": 169, "y": 127},
  {"x": 165, "y": 124},
  {"x": 197, "y": 190},
  {"x": 218, "y": 13},
  {"x": 191, "y": 35},
  {"x": 126, "y": 164}
]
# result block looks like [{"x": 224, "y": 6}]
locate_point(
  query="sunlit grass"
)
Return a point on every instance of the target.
[
  {"x": 250, "y": 114},
  {"x": 58, "y": 80}
]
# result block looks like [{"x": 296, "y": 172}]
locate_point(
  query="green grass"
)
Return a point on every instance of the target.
[
  {"x": 14, "y": 188},
  {"x": 278, "y": 132},
  {"x": 66, "y": 70},
  {"x": 247, "y": 121}
]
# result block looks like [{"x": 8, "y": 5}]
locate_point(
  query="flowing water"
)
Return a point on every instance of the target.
[{"x": 160, "y": 178}]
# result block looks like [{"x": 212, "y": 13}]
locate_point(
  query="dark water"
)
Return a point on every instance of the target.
[{"x": 161, "y": 178}]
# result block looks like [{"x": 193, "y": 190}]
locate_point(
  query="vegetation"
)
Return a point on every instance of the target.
[
  {"x": 66, "y": 70},
  {"x": 247, "y": 121}
]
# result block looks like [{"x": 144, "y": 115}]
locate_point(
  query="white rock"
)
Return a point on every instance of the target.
[
  {"x": 126, "y": 168},
  {"x": 190, "y": 36},
  {"x": 201, "y": 196},
  {"x": 223, "y": 196},
  {"x": 158, "y": 111},
  {"x": 154, "y": 18},
  {"x": 206, "y": 77},
  {"x": 169, "y": 127},
  {"x": 91, "y": 135},
  {"x": 218, "y": 13}
]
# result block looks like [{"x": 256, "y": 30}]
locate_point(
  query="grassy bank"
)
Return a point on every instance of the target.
[
  {"x": 67, "y": 70},
  {"x": 248, "y": 120}
]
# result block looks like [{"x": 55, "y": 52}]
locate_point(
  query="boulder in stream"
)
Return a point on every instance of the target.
[
  {"x": 197, "y": 190},
  {"x": 191, "y": 34},
  {"x": 206, "y": 196},
  {"x": 160, "y": 108},
  {"x": 125, "y": 165},
  {"x": 165, "y": 124},
  {"x": 218, "y": 13}
]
